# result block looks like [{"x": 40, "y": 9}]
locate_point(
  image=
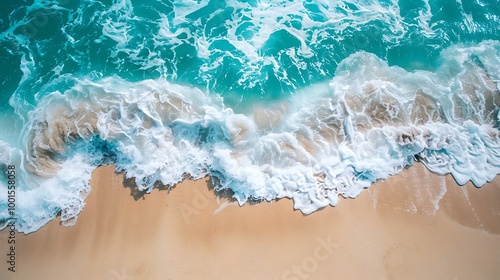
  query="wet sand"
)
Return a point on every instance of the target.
[{"x": 416, "y": 225}]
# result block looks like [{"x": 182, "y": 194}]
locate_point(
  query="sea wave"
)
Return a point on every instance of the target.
[{"x": 328, "y": 140}]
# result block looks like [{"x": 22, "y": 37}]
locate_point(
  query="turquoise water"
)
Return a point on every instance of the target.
[{"x": 301, "y": 99}]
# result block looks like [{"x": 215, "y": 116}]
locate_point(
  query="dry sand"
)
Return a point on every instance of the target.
[{"x": 394, "y": 230}]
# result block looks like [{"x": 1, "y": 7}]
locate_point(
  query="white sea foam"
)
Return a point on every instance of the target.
[
  {"x": 332, "y": 139},
  {"x": 254, "y": 27}
]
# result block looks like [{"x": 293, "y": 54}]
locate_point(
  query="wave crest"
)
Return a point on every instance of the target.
[{"x": 332, "y": 139}]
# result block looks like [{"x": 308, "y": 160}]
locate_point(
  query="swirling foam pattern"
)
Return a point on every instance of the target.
[{"x": 301, "y": 99}]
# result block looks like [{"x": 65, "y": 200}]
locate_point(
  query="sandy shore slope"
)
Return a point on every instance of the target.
[{"x": 416, "y": 225}]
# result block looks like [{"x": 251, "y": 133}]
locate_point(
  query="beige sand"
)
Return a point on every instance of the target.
[{"x": 391, "y": 231}]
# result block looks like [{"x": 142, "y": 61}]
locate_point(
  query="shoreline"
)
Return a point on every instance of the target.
[{"x": 429, "y": 228}]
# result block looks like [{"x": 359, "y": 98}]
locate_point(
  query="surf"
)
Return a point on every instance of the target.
[{"x": 306, "y": 101}]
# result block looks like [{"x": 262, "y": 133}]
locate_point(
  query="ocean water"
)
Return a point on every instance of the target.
[{"x": 309, "y": 100}]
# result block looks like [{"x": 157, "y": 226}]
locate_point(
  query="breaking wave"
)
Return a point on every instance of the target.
[{"x": 328, "y": 139}]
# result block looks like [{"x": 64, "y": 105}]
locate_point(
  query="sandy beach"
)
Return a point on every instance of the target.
[{"x": 414, "y": 225}]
